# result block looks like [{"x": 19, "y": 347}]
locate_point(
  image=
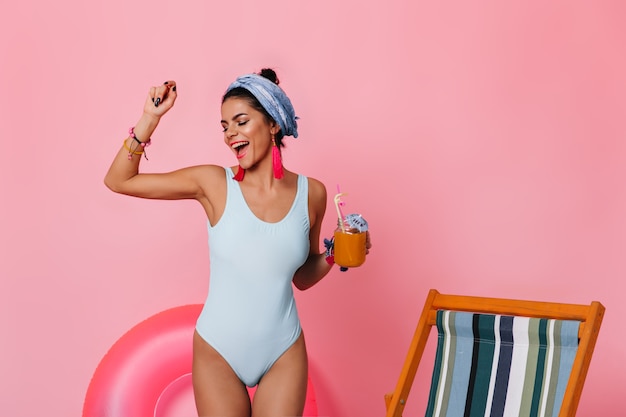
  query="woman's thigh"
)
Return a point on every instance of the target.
[
  {"x": 282, "y": 390},
  {"x": 217, "y": 389}
]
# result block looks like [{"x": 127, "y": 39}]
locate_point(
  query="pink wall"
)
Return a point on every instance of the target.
[{"x": 483, "y": 142}]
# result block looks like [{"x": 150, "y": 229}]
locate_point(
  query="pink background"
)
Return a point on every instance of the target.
[{"x": 483, "y": 141}]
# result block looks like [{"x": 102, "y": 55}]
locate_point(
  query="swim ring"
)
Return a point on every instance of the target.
[{"x": 148, "y": 370}]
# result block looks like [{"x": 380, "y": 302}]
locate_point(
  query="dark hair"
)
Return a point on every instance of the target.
[{"x": 240, "y": 92}]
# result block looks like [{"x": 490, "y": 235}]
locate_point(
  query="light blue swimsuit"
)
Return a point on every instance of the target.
[{"x": 250, "y": 314}]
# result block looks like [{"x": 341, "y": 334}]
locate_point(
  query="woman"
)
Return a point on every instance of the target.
[{"x": 264, "y": 233}]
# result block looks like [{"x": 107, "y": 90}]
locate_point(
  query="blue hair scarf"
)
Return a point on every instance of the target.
[{"x": 272, "y": 98}]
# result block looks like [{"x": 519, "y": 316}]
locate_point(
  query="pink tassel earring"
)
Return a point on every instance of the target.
[
  {"x": 240, "y": 173},
  {"x": 277, "y": 163}
]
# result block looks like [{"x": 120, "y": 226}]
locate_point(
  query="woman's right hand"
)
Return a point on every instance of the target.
[{"x": 160, "y": 99}]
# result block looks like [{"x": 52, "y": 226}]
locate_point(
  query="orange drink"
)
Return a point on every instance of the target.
[{"x": 349, "y": 248}]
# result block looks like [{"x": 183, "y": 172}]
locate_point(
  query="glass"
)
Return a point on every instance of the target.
[{"x": 350, "y": 241}]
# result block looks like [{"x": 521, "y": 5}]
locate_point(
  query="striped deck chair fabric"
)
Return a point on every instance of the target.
[{"x": 490, "y": 365}]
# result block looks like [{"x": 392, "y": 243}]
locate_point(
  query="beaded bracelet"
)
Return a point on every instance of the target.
[{"x": 143, "y": 145}]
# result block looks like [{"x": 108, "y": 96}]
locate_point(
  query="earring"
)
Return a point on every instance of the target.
[
  {"x": 240, "y": 173},
  {"x": 277, "y": 163}
]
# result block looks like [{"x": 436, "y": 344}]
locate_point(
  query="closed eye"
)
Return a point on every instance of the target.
[{"x": 225, "y": 127}]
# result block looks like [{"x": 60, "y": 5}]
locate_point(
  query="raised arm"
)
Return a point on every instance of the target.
[{"x": 123, "y": 176}]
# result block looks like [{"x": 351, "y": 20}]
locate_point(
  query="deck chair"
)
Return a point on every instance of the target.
[{"x": 500, "y": 357}]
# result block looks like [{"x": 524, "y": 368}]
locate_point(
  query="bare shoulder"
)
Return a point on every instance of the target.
[
  {"x": 212, "y": 196},
  {"x": 317, "y": 191},
  {"x": 211, "y": 179},
  {"x": 208, "y": 174},
  {"x": 317, "y": 200}
]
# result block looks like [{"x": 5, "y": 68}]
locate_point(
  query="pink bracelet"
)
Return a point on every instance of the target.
[{"x": 131, "y": 150}]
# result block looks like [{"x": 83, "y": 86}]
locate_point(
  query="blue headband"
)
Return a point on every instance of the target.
[{"x": 272, "y": 98}]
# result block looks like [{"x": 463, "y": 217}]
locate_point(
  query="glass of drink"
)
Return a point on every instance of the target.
[
  {"x": 350, "y": 241},
  {"x": 349, "y": 247}
]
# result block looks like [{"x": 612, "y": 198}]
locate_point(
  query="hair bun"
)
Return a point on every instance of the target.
[{"x": 270, "y": 74}]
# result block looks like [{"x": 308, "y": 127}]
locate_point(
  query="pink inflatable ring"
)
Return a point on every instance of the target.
[{"x": 148, "y": 370}]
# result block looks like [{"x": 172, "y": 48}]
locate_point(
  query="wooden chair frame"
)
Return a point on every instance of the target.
[{"x": 590, "y": 317}]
